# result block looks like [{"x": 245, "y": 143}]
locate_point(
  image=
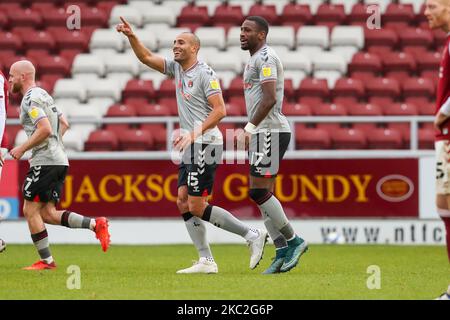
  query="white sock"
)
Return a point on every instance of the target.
[{"x": 251, "y": 235}]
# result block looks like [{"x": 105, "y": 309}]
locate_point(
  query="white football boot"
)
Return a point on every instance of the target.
[
  {"x": 201, "y": 266},
  {"x": 257, "y": 248},
  {"x": 445, "y": 295}
]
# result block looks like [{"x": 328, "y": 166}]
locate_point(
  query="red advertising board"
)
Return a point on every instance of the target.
[
  {"x": 307, "y": 188},
  {"x": 9, "y": 179}
]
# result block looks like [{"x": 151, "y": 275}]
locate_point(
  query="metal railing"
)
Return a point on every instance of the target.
[{"x": 292, "y": 153}]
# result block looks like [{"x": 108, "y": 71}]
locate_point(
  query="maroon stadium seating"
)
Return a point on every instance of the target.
[
  {"x": 295, "y": 15},
  {"x": 330, "y": 15},
  {"x": 102, "y": 140},
  {"x": 136, "y": 140},
  {"x": 268, "y": 12},
  {"x": 312, "y": 138},
  {"x": 349, "y": 138},
  {"x": 313, "y": 91}
]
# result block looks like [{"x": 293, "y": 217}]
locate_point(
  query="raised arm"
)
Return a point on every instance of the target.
[{"x": 142, "y": 53}]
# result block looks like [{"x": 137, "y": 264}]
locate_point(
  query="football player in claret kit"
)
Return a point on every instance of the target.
[
  {"x": 3, "y": 108},
  {"x": 200, "y": 107},
  {"x": 438, "y": 14},
  {"x": 267, "y": 136},
  {"x": 45, "y": 126}
]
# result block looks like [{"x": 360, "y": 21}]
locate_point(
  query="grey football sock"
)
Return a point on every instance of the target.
[
  {"x": 40, "y": 241},
  {"x": 197, "y": 231},
  {"x": 223, "y": 219},
  {"x": 272, "y": 208},
  {"x": 75, "y": 221},
  {"x": 278, "y": 239}
]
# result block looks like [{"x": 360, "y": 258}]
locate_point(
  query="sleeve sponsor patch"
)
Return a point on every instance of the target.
[
  {"x": 34, "y": 113},
  {"x": 214, "y": 84},
  {"x": 267, "y": 71}
]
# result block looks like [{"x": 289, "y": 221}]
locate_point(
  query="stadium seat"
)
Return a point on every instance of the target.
[
  {"x": 418, "y": 90},
  {"x": 167, "y": 89},
  {"x": 70, "y": 88},
  {"x": 234, "y": 110},
  {"x": 313, "y": 36},
  {"x": 365, "y": 66},
  {"x": 313, "y": 91},
  {"x": 327, "y": 109},
  {"x": 13, "y": 112},
  {"x": 281, "y": 36},
  {"x": 84, "y": 112},
  {"x": 399, "y": 65},
  {"x": 53, "y": 65},
  {"x": 24, "y": 18},
  {"x": 416, "y": 40},
  {"x": 398, "y": 16},
  {"x": 166, "y": 40},
  {"x": 101, "y": 140},
  {"x": 364, "y": 109},
  {"x": 289, "y": 90},
  {"x": 400, "y": 109},
  {"x": 226, "y": 61},
  {"x": 153, "y": 110},
  {"x": 148, "y": 37},
  {"x": 104, "y": 88},
  {"x": 88, "y": 64},
  {"x": 427, "y": 109},
  {"x": 192, "y": 17},
  {"x": 227, "y": 16},
  {"x": 348, "y": 138},
  {"x": 347, "y": 36},
  {"x": 10, "y": 42},
  {"x": 295, "y": 15},
  {"x": 136, "y": 140},
  {"x": 69, "y": 40},
  {"x": 327, "y": 61},
  {"x": 169, "y": 104},
  {"x": 3, "y": 20},
  {"x": 107, "y": 39},
  {"x": 159, "y": 133},
  {"x": 131, "y": 14},
  {"x": 348, "y": 4},
  {"x": 139, "y": 89},
  {"x": 211, "y": 37},
  {"x": 73, "y": 141},
  {"x": 122, "y": 63},
  {"x": 382, "y": 90},
  {"x": 296, "y": 109},
  {"x": 359, "y": 15},
  {"x": 348, "y": 90},
  {"x": 330, "y": 15},
  {"x": 121, "y": 110},
  {"x": 380, "y": 40},
  {"x": 428, "y": 61},
  {"x": 268, "y": 12},
  {"x": 426, "y": 138},
  {"x": 159, "y": 14},
  {"x": 311, "y": 138},
  {"x": 382, "y": 138},
  {"x": 38, "y": 40},
  {"x": 236, "y": 87}
]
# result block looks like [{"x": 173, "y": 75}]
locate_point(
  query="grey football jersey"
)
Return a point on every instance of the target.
[
  {"x": 36, "y": 105},
  {"x": 193, "y": 88},
  {"x": 265, "y": 65}
]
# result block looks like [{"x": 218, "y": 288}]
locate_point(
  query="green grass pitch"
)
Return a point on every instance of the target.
[{"x": 148, "y": 272}]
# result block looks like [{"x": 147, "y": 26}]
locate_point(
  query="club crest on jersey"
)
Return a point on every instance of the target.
[{"x": 190, "y": 84}]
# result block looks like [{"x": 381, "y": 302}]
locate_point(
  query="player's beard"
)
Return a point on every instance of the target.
[{"x": 16, "y": 87}]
